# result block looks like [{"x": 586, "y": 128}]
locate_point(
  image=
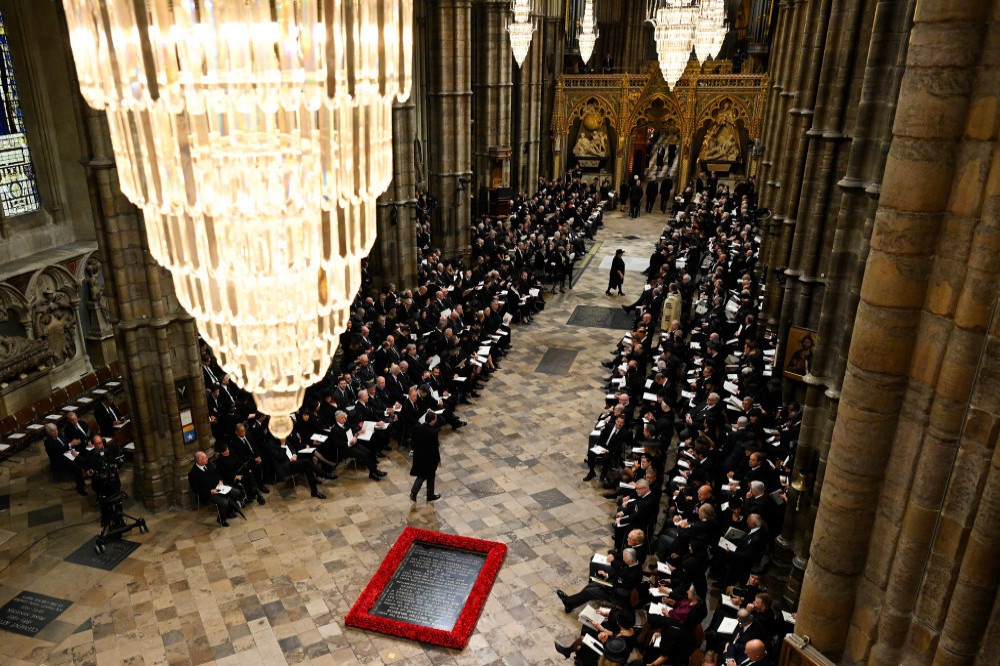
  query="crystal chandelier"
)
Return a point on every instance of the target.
[
  {"x": 256, "y": 167},
  {"x": 587, "y": 36},
  {"x": 520, "y": 29},
  {"x": 682, "y": 25}
]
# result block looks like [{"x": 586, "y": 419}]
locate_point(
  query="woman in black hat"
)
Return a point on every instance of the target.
[{"x": 617, "y": 633}]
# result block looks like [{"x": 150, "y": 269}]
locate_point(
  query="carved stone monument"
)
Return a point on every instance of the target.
[{"x": 100, "y": 335}]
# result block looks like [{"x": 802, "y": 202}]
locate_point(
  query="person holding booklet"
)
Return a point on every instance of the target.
[
  {"x": 207, "y": 485},
  {"x": 620, "y": 584},
  {"x": 600, "y": 627}
]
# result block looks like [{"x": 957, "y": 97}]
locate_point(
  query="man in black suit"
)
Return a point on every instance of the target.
[
  {"x": 342, "y": 444},
  {"x": 57, "y": 447},
  {"x": 616, "y": 278},
  {"x": 613, "y": 439},
  {"x": 624, "y": 577},
  {"x": 754, "y": 653},
  {"x": 75, "y": 432},
  {"x": 426, "y": 456},
  {"x": 249, "y": 455},
  {"x": 205, "y": 483},
  {"x": 746, "y": 630},
  {"x": 234, "y": 472},
  {"x": 748, "y": 552},
  {"x": 108, "y": 416},
  {"x": 286, "y": 463},
  {"x": 652, "y": 188},
  {"x": 640, "y": 513}
]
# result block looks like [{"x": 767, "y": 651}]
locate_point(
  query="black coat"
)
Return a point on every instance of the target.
[
  {"x": 426, "y": 451},
  {"x": 203, "y": 482},
  {"x": 617, "y": 275}
]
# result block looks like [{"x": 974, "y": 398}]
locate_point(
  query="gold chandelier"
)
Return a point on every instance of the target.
[
  {"x": 588, "y": 34},
  {"x": 520, "y": 29},
  {"x": 682, "y": 25},
  {"x": 255, "y": 135}
]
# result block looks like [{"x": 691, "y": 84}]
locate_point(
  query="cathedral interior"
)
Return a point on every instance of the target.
[{"x": 866, "y": 134}]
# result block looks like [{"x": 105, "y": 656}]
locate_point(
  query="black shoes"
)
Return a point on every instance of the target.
[
  {"x": 431, "y": 498},
  {"x": 590, "y": 475},
  {"x": 264, "y": 489},
  {"x": 413, "y": 497},
  {"x": 564, "y": 598},
  {"x": 563, "y": 650},
  {"x": 318, "y": 495},
  {"x": 222, "y": 522},
  {"x": 608, "y": 364},
  {"x": 260, "y": 500},
  {"x": 610, "y": 495},
  {"x": 607, "y": 292},
  {"x": 374, "y": 476},
  {"x": 459, "y": 424},
  {"x": 627, "y": 309}
]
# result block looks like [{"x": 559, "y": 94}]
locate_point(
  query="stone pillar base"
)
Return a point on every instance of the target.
[{"x": 102, "y": 352}]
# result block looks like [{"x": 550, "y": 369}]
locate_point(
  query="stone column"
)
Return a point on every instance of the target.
[
  {"x": 157, "y": 341},
  {"x": 450, "y": 110},
  {"x": 394, "y": 258},
  {"x": 529, "y": 115},
  {"x": 551, "y": 69},
  {"x": 895, "y": 357},
  {"x": 867, "y": 102},
  {"x": 492, "y": 61}
]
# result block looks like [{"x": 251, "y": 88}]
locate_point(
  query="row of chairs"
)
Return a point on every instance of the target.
[{"x": 28, "y": 425}]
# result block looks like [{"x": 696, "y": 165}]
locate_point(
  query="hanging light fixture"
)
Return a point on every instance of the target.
[
  {"x": 682, "y": 25},
  {"x": 588, "y": 34},
  {"x": 255, "y": 135},
  {"x": 520, "y": 29}
]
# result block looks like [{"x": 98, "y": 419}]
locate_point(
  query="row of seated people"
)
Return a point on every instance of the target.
[
  {"x": 706, "y": 382},
  {"x": 26, "y": 425},
  {"x": 404, "y": 353},
  {"x": 79, "y": 449}
]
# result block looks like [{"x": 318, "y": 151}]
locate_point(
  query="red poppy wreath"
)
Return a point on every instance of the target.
[{"x": 430, "y": 588}]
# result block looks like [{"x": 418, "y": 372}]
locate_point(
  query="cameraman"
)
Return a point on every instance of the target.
[{"x": 99, "y": 462}]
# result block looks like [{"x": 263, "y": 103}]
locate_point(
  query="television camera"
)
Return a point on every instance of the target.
[{"x": 111, "y": 500}]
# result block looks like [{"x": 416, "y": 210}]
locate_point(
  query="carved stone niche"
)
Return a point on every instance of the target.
[
  {"x": 53, "y": 295},
  {"x": 24, "y": 373}
]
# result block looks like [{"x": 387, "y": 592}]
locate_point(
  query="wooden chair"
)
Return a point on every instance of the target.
[
  {"x": 75, "y": 389},
  {"x": 103, "y": 374},
  {"x": 90, "y": 382},
  {"x": 8, "y": 424},
  {"x": 116, "y": 368},
  {"x": 60, "y": 397}
]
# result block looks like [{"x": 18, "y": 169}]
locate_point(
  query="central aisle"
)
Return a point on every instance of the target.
[{"x": 275, "y": 589}]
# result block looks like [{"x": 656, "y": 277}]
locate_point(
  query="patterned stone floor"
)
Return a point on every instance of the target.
[{"x": 275, "y": 589}]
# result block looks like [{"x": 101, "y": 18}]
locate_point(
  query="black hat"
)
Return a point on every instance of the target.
[
  {"x": 616, "y": 650},
  {"x": 619, "y": 251}
]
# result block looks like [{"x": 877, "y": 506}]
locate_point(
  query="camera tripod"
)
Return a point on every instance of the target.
[{"x": 114, "y": 521}]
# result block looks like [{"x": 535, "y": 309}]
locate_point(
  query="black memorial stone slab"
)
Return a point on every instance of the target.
[
  {"x": 430, "y": 586},
  {"x": 593, "y": 316},
  {"x": 557, "y": 361},
  {"x": 115, "y": 551},
  {"x": 29, "y": 612}
]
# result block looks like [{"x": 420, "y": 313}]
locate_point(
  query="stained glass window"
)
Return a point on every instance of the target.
[{"x": 18, "y": 191}]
